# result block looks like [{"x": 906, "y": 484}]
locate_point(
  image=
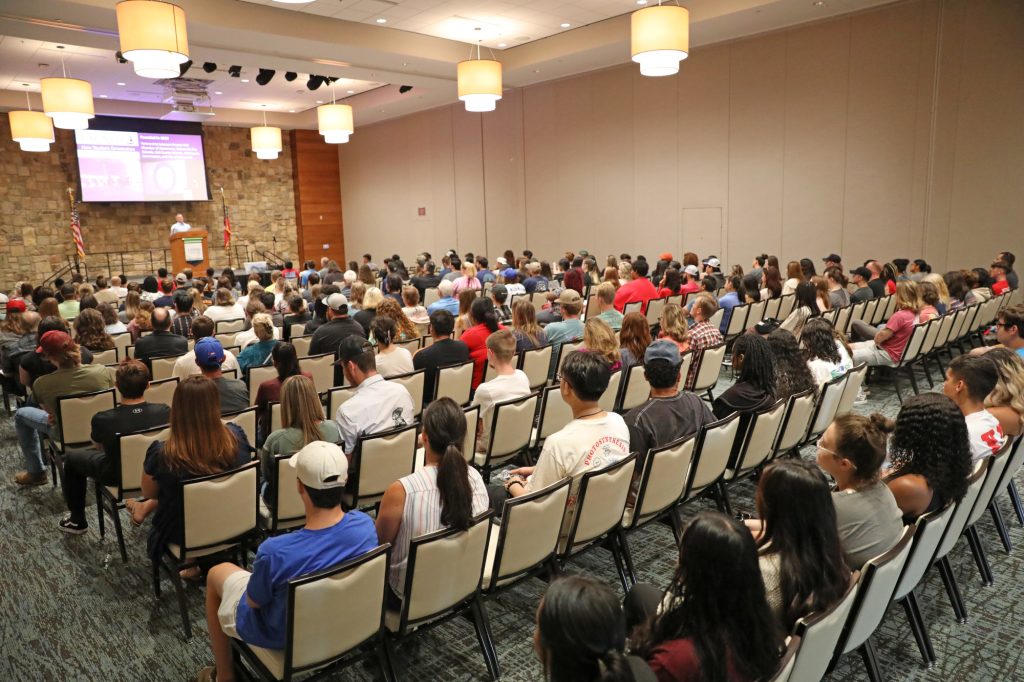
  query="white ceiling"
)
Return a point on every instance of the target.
[
  {"x": 419, "y": 45},
  {"x": 502, "y": 23}
]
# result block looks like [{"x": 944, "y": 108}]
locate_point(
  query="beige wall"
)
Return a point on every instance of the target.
[{"x": 894, "y": 132}]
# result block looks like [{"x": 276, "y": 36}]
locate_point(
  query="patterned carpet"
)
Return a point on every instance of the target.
[{"x": 74, "y": 611}]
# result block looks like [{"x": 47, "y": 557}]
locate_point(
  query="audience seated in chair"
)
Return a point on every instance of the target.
[
  {"x": 930, "y": 456},
  {"x": 70, "y": 377},
  {"x": 599, "y": 338},
  {"x": 392, "y": 359},
  {"x": 90, "y": 332},
  {"x": 198, "y": 444},
  {"x": 102, "y": 462},
  {"x": 703, "y": 334},
  {"x": 443, "y": 350},
  {"x": 260, "y": 352},
  {"x": 885, "y": 346},
  {"x": 792, "y": 374},
  {"x": 592, "y": 440},
  {"x": 754, "y": 390},
  {"x": 286, "y": 363},
  {"x": 825, "y": 350},
  {"x": 162, "y": 342},
  {"x": 528, "y": 332},
  {"x": 714, "y": 621},
  {"x": 969, "y": 381},
  {"x": 210, "y": 358},
  {"x": 445, "y": 493},
  {"x": 377, "y": 405},
  {"x": 252, "y": 606},
  {"x": 1006, "y": 401},
  {"x": 484, "y": 323},
  {"x": 505, "y": 383},
  {"x": 639, "y": 288},
  {"x": 852, "y": 451},
  {"x": 202, "y": 327},
  {"x": 302, "y": 422}
]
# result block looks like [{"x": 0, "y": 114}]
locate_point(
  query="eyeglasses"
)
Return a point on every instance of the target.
[{"x": 822, "y": 447}]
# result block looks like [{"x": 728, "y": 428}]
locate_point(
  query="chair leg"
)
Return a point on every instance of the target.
[
  {"x": 99, "y": 511},
  {"x": 870, "y": 657},
  {"x": 980, "y": 558},
  {"x": 1018, "y": 508},
  {"x": 156, "y": 579},
  {"x": 179, "y": 590},
  {"x": 997, "y": 518},
  {"x": 119, "y": 531},
  {"x": 956, "y": 600},
  {"x": 627, "y": 556},
  {"x": 612, "y": 545},
  {"x": 483, "y": 635},
  {"x": 913, "y": 380},
  {"x": 896, "y": 384},
  {"x": 919, "y": 628},
  {"x": 927, "y": 372},
  {"x": 724, "y": 491},
  {"x": 677, "y": 525},
  {"x": 384, "y": 660}
]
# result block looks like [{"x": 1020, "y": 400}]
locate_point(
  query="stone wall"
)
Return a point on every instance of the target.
[{"x": 35, "y": 238}]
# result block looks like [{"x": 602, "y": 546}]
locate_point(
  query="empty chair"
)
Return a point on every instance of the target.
[
  {"x": 877, "y": 586},
  {"x": 227, "y": 326},
  {"x": 121, "y": 343},
  {"x": 786, "y": 305},
  {"x": 379, "y": 460},
  {"x": 565, "y": 349},
  {"x": 296, "y": 330},
  {"x": 321, "y": 367},
  {"x": 989, "y": 488},
  {"x": 554, "y": 414},
  {"x": 757, "y": 446},
  {"x": 161, "y": 392},
  {"x": 711, "y": 458},
  {"x": 336, "y": 397},
  {"x": 245, "y": 420},
  {"x": 430, "y": 296},
  {"x": 218, "y": 514},
  {"x": 610, "y": 398},
  {"x": 708, "y": 370},
  {"x": 854, "y": 381},
  {"x": 825, "y": 409},
  {"x": 536, "y": 363},
  {"x": 799, "y": 412},
  {"x": 661, "y": 485},
  {"x": 315, "y": 638},
  {"x": 105, "y": 357},
  {"x": 599, "y": 505},
  {"x": 737, "y": 322},
  {"x": 301, "y": 344},
  {"x": 442, "y": 580},
  {"x": 511, "y": 429},
  {"x": 953, "y": 532},
  {"x": 163, "y": 367},
  {"x": 632, "y": 307},
  {"x": 455, "y": 382},
  {"x": 635, "y": 388},
  {"x": 526, "y": 540},
  {"x": 654, "y": 308}
]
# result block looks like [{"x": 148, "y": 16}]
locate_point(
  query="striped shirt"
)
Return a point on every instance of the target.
[{"x": 422, "y": 515}]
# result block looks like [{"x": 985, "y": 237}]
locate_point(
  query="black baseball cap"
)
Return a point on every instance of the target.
[
  {"x": 351, "y": 347},
  {"x": 862, "y": 271},
  {"x": 834, "y": 257}
]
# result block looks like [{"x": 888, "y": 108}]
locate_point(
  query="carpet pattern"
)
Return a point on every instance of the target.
[{"x": 74, "y": 611}]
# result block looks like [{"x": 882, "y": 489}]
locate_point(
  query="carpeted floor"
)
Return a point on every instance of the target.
[{"x": 73, "y": 611}]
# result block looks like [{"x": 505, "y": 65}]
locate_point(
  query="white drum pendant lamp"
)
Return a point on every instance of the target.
[
  {"x": 153, "y": 37},
  {"x": 32, "y": 130},
  {"x": 479, "y": 83},
  {"x": 266, "y": 140},
  {"x": 660, "y": 39}
]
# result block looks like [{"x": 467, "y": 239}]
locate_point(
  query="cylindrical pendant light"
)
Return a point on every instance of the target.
[
  {"x": 335, "y": 122},
  {"x": 153, "y": 37},
  {"x": 68, "y": 101},
  {"x": 480, "y": 84},
  {"x": 266, "y": 140},
  {"x": 32, "y": 130},
  {"x": 660, "y": 39}
]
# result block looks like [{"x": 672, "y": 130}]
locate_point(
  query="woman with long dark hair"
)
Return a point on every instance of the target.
[
  {"x": 806, "y": 307},
  {"x": 827, "y": 357},
  {"x": 750, "y": 289},
  {"x": 807, "y": 266},
  {"x": 199, "y": 444},
  {"x": 444, "y": 493},
  {"x": 581, "y": 634},
  {"x": 792, "y": 375},
  {"x": 852, "y": 451},
  {"x": 930, "y": 455},
  {"x": 484, "y": 319},
  {"x": 794, "y": 276},
  {"x": 800, "y": 554},
  {"x": 771, "y": 282},
  {"x": 714, "y": 623},
  {"x": 634, "y": 337},
  {"x": 286, "y": 363},
  {"x": 753, "y": 391},
  {"x": 670, "y": 283}
]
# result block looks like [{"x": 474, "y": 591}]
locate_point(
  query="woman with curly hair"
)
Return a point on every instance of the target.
[
  {"x": 634, "y": 337},
  {"x": 143, "y": 320},
  {"x": 792, "y": 375},
  {"x": 930, "y": 456},
  {"x": 827, "y": 356},
  {"x": 673, "y": 327},
  {"x": 90, "y": 331},
  {"x": 391, "y": 309},
  {"x": 1006, "y": 401}
]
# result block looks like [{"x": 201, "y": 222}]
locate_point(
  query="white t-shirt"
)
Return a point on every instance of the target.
[
  {"x": 497, "y": 390},
  {"x": 180, "y": 227},
  {"x": 396, "y": 361},
  {"x": 581, "y": 446},
  {"x": 225, "y": 312},
  {"x": 984, "y": 434},
  {"x": 377, "y": 405},
  {"x": 825, "y": 371},
  {"x": 186, "y": 365}
]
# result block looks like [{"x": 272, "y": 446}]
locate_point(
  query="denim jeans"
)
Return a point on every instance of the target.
[{"x": 31, "y": 423}]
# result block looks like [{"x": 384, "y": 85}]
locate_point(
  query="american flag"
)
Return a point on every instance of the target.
[
  {"x": 227, "y": 220},
  {"x": 76, "y": 226}
]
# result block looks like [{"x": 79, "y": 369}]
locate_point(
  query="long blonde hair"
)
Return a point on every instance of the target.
[
  {"x": 939, "y": 283},
  {"x": 199, "y": 442},
  {"x": 372, "y": 298},
  {"x": 301, "y": 408},
  {"x": 907, "y": 296},
  {"x": 673, "y": 323},
  {"x": 524, "y": 319},
  {"x": 599, "y": 338}
]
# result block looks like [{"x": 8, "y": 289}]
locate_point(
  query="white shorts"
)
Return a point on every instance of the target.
[{"x": 233, "y": 593}]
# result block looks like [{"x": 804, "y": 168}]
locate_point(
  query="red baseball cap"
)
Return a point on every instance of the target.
[
  {"x": 53, "y": 342},
  {"x": 16, "y": 306}
]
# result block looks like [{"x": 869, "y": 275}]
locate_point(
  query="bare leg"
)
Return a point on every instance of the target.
[
  {"x": 218, "y": 639},
  {"x": 140, "y": 509}
]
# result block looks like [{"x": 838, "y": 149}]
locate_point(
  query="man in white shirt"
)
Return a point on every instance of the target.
[
  {"x": 179, "y": 225},
  {"x": 377, "y": 405},
  {"x": 592, "y": 440},
  {"x": 117, "y": 286},
  {"x": 969, "y": 380},
  {"x": 186, "y": 365},
  {"x": 508, "y": 383}
]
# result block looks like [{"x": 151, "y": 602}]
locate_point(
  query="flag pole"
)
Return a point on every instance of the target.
[
  {"x": 227, "y": 226},
  {"x": 76, "y": 230}
]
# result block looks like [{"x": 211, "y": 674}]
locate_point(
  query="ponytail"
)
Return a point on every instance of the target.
[{"x": 445, "y": 427}]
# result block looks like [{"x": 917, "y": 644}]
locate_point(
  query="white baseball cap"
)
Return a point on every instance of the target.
[
  {"x": 337, "y": 302},
  {"x": 320, "y": 465},
  {"x": 691, "y": 270},
  {"x": 501, "y": 260}
]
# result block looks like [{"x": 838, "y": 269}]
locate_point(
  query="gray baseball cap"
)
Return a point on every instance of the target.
[{"x": 662, "y": 349}]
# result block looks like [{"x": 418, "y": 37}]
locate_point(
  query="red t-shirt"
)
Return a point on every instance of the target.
[
  {"x": 1000, "y": 287},
  {"x": 890, "y": 287},
  {"x": 902, "y": 325},
  {"x": 691, "y": 288},
  {"x": 476, "y": 338},
  {"x": 635, "y": 290},
  {"x": 677, "y": 661}
]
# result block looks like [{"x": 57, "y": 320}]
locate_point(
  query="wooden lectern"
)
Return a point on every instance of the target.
[{"x": 188, "y": 250}]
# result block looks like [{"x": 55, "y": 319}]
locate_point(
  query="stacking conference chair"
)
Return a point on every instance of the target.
[
  {"x": 74, "y": 424},
  {"x": 281, "y": 506},
  {"x": 510, "y": 430},
  {"x": 379, "y": 460},
  {"x": 455, "y": 382}
]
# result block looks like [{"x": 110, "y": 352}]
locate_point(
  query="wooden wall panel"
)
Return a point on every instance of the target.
[{"x": 318, "y": 215}]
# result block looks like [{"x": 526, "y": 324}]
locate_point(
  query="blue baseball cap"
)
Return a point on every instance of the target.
[
  {"x": 209, "y": 352},
  {"x": 509, "y": 272}
]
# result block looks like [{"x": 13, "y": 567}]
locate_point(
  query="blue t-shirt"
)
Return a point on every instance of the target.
[
  {"x": 450, "y": 303},
  {"x": 289, "y": 556},
  {"x": 727, "y": 303},
  {"x": 1020, "y": 352}
]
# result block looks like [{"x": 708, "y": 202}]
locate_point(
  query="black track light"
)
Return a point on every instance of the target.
[
  {"x": 290, "y": 76},
  {"x": 184, "y": 67},
  {"x": 120, "y": 57},
  {"x": 404, "y": 89},
  {"x": 209, "y": 67},
  {"x": 314, "y": 82},
  {"x": 235, "y": 71},
  {"x": 264, "y": 76}
]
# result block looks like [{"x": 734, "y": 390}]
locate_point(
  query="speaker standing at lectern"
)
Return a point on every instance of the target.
[{"x": 180, "y": 225}]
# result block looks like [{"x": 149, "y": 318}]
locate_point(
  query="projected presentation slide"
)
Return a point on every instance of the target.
[{"x": 133, "y": 166}]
